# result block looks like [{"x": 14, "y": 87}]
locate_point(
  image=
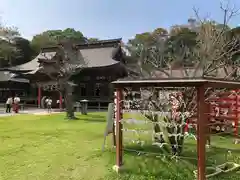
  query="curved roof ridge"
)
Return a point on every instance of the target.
[
  {"x": 33, "y": 64},
  {"x": 116, "y": 40}
]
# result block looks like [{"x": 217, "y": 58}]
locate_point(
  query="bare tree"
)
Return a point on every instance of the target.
[
  {"x": 211, "y": 57},
  {"x": 68, "y": 63}
]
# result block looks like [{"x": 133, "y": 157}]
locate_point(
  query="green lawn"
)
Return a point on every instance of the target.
[{"x": 52, "y": 148}]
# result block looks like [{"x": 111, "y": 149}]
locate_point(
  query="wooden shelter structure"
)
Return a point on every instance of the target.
[
  {"x": 103, "y": 63},
  {"x": 11, "y": 85},
  {"x": 202, "y": 109}
]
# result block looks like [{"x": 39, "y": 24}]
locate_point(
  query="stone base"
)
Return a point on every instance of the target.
[{"x": 117, "y": 168}]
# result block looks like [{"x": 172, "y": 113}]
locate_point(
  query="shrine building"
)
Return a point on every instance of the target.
[{"x": 104, "y": 62}]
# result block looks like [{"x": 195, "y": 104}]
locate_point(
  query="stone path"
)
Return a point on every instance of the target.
[{"x": 34, "y": 111}]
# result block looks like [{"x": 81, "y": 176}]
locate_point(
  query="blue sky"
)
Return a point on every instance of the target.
[{"x": 104, "y": 19}]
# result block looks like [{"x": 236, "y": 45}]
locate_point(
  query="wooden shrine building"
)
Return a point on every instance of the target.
[
  {"x": 11, "y": 85},
  {"x": 104, "y": 63}
]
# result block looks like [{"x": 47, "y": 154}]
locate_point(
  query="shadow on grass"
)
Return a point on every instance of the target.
[
  {"x": 93, "y": 118},
  {"x": 217, "y": 155},
  {"x": 159, "y": 164},
  {"x": 225, "y": 135}
]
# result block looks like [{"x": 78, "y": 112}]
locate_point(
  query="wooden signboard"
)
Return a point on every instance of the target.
[{"x": 110, "y": 124}]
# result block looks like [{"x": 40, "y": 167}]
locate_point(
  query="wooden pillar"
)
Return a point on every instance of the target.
[
  {"x": 114, "y": 136},
  {"x": 39, "y": 96},
  {"x": 236, "y": 121},
  {"x": 201, "y": 133},
  {"x": 99, "y": 105},
  {"x": 60, "y": 101},
  {"x": 118, "y": 131},
  {"x": 208, "y": 135}
]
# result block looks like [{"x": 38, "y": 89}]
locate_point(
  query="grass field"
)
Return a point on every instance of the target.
[{"x": 52, "y": 148}]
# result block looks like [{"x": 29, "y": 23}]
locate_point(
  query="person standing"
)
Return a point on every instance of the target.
[
  {"x": 60, "y": 103},
  {"x": 16, "y": 102},
  {"x": 49, "y": 104},
  {"x": 9, "y": 104}
]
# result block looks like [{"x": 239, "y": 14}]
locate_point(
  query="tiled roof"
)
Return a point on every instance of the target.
[
  {"x": 99, "y": 55},
  {"x": 6, "y": 76},
  {"x": 33, "y": 64}
]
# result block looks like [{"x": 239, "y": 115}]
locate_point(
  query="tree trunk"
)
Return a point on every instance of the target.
[
  {"x": 176, "y": 140},
  {"x": 69, "y": 102},
  {"x": 156, "y": 128}
]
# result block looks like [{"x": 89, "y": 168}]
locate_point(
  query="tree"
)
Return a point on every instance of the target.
[
  {"x": 7, "y": 45},
  {"x": 181, "y": 37},
  {"x": 24, "y": 49},
  {"x": 235, "y": 32},
  {"x": 211, "y": 53},
  {"x": 52, "y": 37},
  {"x": 138, "y": 46},
  {"x": 61, "y": 71},
  {"x": 168, "y": 43},
  {"x": 145, "y": 39},
  {"x": 42, "y": 40},
  {"x": 92, "y": 40}
]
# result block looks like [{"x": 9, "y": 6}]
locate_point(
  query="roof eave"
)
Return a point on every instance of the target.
[
  {"x": 99, "y": 44},
  {"x": 178, "y": 82}
]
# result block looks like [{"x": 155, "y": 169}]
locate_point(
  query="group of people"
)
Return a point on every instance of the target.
[
  {"x": 12, "y": 102},
  {"x": 49, "y": 101}
]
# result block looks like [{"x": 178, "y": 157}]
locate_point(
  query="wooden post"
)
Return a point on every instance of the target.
[
  {"x": 60, "y": 100},
  {"x": 119, "y": 146},
  {"x": 236, "y": 123},
  {"x": 114, "y": 136},
  {"x": 201, "y": 133},
  {"x": 114, "y": 123},
  {"x": 39, "y": 96}
]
